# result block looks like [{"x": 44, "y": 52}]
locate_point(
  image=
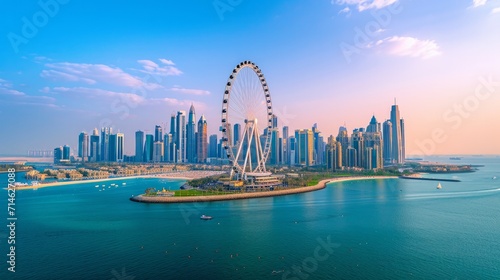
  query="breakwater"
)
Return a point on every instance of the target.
[{"x": 428, "y": 179}]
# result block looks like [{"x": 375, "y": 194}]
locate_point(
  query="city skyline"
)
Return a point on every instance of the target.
[{"x": 438, "y": 59}]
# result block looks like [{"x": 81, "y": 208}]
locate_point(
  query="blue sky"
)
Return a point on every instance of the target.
[{"x": 132, "y": 65}]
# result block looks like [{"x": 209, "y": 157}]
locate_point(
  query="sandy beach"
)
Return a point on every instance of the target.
[
  {"x": 185, "y": 175},
  {"x": 181, "y": 199}
]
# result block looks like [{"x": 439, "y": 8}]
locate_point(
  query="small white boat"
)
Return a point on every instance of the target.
[
  {"x": 124, "y": 183},
  {"x": 204, "y": 217},
  {"x": 96, "y": 186},
  {"x": 439, "y": 186},
  {"x": 494, "y": 177}
]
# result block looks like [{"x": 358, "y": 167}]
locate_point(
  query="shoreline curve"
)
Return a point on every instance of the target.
[{"x": 187, "y": 199}]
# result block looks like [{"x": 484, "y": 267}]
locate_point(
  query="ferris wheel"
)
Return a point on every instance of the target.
[{"x": 247, "y": 117}]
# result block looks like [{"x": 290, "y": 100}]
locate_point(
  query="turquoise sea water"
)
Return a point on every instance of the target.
[{"x": 378, "y": 229}]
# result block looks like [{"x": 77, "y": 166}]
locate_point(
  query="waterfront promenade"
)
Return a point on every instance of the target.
[{"x": 181, "y": 199}]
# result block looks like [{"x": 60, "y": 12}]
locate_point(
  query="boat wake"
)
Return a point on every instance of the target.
[{"x": 451, "y": 194}]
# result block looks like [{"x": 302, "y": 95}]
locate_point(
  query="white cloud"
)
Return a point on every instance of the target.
[
  {"x": 345, "y": 10},
  {"x": 167, "y": 61},
  {"x": 362, "y": 5},
  {"x": 153, "y": 68},
  {"x": 100, "y": 93},
  {"x": 190, "y": 91},
  {"x": 407, "y": 46},
  {"x": 93, "y": 74},
  {"x": 495, "y": 10},
  {"x": 12, "y": 96},
  {"x": 58, "y": 76},
  {"x": 7, "y": 91},
  {"x": 477, "y": 3}
]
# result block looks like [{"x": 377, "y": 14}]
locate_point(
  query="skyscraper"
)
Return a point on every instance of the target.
[
  {"x": 191, "y": 136},
  {"x": 274, "y": 121},
  {"x": 275, "y": 152},
  {"x": 180, "y": 136},
  {"x": 373, "y": 142},
  {"x": 167, "y": 147},
  {"x": 212, "y": 151},
  {"x": 387, "y": 138},
  {"x": 343, "y": 139},
  {"x": 58, "y": 155},
  {"x": 139, "y": 146},
  {"x": 113, "y": 148},
  {"x": 202, "y": 140},
  {"x": 94, "y": 146},
  {"x": 66, "y": 153},
  {"x": 105, "y": 132},
  {"x": 83, "y": 146},
  {"x": 148, "y": 148},
  {"x": 286, "y": 155},
  {"x": 397, "y": 151},
  {"x": 120, "y": 142},
  {"x": 291, "y": 148},
  {"x": 331, "y": 154},
  {"x": 403, "y": 148},
  {"x": 237, "y": 134},
  {"x": 358, "y": 144},
  {"x": 304, "y": 147},
  {"x": 158, "y": 133},
  {"x": 157, "y": 151}
]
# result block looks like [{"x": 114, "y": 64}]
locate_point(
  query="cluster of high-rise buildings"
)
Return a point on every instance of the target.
[
  {"x": 187, "y": 141},
  {"x": 369, "y": 148}
]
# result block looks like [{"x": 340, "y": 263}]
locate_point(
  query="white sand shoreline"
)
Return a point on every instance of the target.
[{"x": 181, "y": 175}]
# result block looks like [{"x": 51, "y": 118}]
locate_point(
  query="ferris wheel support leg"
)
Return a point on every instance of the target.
[{"x": 250, "y": 137}]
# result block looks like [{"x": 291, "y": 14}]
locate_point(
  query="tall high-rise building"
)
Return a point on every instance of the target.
[
  {"x": 403, "y": 148},
  {"x": 318, "y": 145},
  {"x": 167, "y": 148},
  {"x": 387, "y": 138},
  {"x": 352, "y": 157},
  {"x": 66, "y": 153},
  {"x": 291, "y": 149},
  {"x": 148, "y": 148},
  {"x": 397, "y": 145},
  {"x": 373, "y": 140},
  {"x": 236, "y": 134},
  {"x": 83, "y": 146},
  {"x": 113, "y": 148},
  {"x": 275, "y": 152},
  {"x": 358, "y": 143},
  {"x": 286, "y": 157},
  {"x": 94, "y": 146},
  {"x": 139, "y": 146},
  {"x": 304, "y": 147},
  {"x": 212, "y": 151},
  {"x": 105, "y": 132},
  {"x": 274, "y": 121},
  {"x": 120, "y": 142},
  {"x": 343, "y": 139},
  {"x": 191, "y": 136},
  {"x": 158, "y": 133},
  {"x": 333, "y": 157},
  {"x": 180, "y": 136},
  {"x": 202, "y": 140},
  {"x": 158, "y": 151},
  {"x": 58, "y": 155}
]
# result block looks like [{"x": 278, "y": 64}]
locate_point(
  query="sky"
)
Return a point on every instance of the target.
[{"x": 71, "y": 66}]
